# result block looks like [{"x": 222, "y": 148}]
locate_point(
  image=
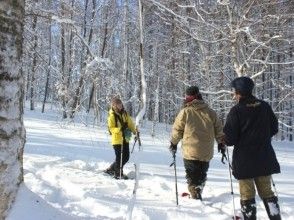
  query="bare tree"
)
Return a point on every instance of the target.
[{"x": 99, "y": 49}]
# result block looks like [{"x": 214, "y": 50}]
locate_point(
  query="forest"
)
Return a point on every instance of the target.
[
  {"x": 79, "y": 54},
  {"x": 75, "y": 55}
]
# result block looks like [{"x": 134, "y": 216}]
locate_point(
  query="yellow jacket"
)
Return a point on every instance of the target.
[
  {"x": 197, "y": 126},
  {"x": 115, "y": 126}
]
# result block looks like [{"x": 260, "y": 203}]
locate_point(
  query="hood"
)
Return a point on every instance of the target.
[{"x": 197, "y": 104}]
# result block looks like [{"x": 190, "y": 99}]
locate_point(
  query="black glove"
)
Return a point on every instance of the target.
[
  {"x": 222, "y": 149},
  {"x": 173, "y": 148}
]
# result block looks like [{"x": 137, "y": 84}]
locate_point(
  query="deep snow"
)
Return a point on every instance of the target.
[{"x": 63, "y": 179}]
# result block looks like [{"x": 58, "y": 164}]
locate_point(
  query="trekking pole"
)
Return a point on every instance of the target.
[
  {"x": 134, "y": 144},
  {"x": 121, "y": 156},
  {"x": 175, "y": 168},
  {"x": 139, "y": 140},
  {"x": 232, "y": 190},
  {"x": 274, "y": 185}
]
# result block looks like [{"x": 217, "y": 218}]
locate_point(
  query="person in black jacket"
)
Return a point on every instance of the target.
[{"x": 249, "y": 126}]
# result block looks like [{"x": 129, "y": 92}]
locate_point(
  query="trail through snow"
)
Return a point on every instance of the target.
[{"x": 63, "y": 178}]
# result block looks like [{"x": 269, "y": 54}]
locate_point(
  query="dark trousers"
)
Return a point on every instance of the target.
[
  {"x": 196, "y": 172},
  {"x": 125, "y": 157}
]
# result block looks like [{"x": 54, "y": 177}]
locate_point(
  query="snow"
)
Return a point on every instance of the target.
[
  {"x": 273, "y": 208},
  {"x": 63, "y": 178}
]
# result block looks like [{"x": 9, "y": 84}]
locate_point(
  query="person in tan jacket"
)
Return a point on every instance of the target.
[{"x": 197, "y": 125}]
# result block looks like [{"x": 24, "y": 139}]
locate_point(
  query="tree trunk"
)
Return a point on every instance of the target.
[
  {"x": 34, "y": 65},
  {"x": 103, "y": 48},
  {"x": 126, "y": 76},
  {"x": 143, "y": 81},
  {"x": 78, "y": 90},
  {"x": 64, "y": 77},
  {"x": 12, "y": 133},
  {"x": 49, "y": 68}
]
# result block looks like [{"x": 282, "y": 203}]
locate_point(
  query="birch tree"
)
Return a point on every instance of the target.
[
  {"x": 185, "y": 42},
  {"x": 12, "y": 133}
]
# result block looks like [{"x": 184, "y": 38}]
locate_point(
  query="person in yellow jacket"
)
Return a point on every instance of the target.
[
  {"x": 197, "y": 125},
  {"x": 121, "y": 127}
]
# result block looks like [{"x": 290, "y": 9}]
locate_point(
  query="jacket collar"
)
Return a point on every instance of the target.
[{"x": 247, "y": 99}]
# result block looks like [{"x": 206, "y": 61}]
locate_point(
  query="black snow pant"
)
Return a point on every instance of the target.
[
  {"x": 125, "y": 157},
  {"x": 196, "y": 172}
]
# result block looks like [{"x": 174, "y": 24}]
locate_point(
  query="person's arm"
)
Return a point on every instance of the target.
[
  {"x": 112, "y": 125},
  {"x": 131, "y": 124},
  {"x": 231, "y": 128},
  {"x": 218, "y": 129},
  {"x": 178, "y": 127},
  {"x": 274, "y": 122}
]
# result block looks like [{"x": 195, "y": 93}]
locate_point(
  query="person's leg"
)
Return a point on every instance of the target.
[
  {"x": 270, "y": 201},
  {"x": 111, "y": 169},
  {"x": 125, "y": 158},
  {"x": 117, "y": 150},
  {"x": 203, "y": 174},
  {"x": 126, "y": 153},
  {"x": 196, "y": 174},
  {"x": 247, "y": 194}
]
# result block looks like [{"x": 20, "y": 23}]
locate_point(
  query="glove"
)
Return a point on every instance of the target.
[
  {"x": 222, "y": 149},
  {"x": 136, "y": 135},
  {"x": 173, "y": 148}
]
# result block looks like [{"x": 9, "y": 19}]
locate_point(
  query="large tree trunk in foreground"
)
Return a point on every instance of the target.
[{"x": 12, "y": 133}]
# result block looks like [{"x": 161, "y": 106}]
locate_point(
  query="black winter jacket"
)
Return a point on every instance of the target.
[{"x": 249, "y": 127}]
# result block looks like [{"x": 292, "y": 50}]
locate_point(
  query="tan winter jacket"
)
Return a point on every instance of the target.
[{"x": 197, "y": 125}]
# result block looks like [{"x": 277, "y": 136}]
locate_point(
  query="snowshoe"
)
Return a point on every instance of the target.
[
  {"x": 109, "y": 172},
  {"x": 123, "y": 177},
  {"x": 185, "y": 194}
]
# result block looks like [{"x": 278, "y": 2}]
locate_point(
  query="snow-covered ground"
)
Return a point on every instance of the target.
[{"x": 63, "y": 179}]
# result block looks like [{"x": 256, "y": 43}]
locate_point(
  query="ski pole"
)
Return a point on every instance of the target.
[
  {"x": 134, "y": 144},
  {"x": 274, "y": 185},
  {"x": 139, "y": 140},
  {"x": 175, "y": 168},
  {"x": 232, "y": 190},
  {"x": 120, "y": 165}
]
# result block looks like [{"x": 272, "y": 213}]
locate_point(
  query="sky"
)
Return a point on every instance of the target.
[{"x": 63, "y": 178}]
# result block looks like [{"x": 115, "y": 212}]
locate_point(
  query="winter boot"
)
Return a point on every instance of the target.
[
  {"x": 195, "y": 192},
  {"x": 272, "y": 208},
  {"x": 117, "y": 175},
  {"x": 110, "y": 170},
  {"x": 123, "y": 177},
  {"x": 248, "y": 209}
]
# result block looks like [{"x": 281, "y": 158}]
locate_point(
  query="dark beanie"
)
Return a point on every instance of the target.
[
  {"x": 192, "y": 91},
  {"x": 243, "y": 85}
]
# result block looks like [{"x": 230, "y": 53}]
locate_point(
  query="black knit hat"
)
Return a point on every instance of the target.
[
  {"x": 243, "y": 85},
  {"x": 192, "y": 91}
]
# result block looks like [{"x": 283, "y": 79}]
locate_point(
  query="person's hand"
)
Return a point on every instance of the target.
[
  {"x": 137, "y": 135},
  {"x": 222, "y": 149},
  {"x": 173, "y": 148}
]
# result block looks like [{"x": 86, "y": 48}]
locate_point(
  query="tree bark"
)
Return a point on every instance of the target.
[
  {"x": 12, "y": 133},
  {"x": 103, "y": 49},
  {"x": 34, "y": 65},
  {"x": 143, "y": 80},
  {"x": 49, "y": 68}
]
